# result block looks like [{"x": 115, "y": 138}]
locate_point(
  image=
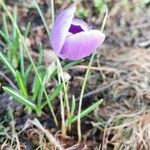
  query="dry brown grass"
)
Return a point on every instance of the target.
[
  {"x": 128, "y": 125},
  {"x": 128, "y": 131}
]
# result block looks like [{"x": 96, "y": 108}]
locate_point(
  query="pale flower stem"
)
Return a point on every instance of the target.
[
  {"x": 65, "y": 95},
  {"x": 52, "y": 10},
  {"x": 81, "y": 97},
  {"x": 64, "y": 85},
  {"x": 63, "y": 127},
  {"x": 84, "y": 85},
  {"x": 104, "y": 21}
]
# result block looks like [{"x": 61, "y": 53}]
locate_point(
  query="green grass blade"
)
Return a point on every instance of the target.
[
  {"x": 3, "y": 35},
  {"x": 73, "y": 105},
  {"x": 40, "y": 58},
  {"x": 28, "y": 71},
  {"x": 27, "y": 29},
  {"x": 17, "y": 96},
  {"x": 6, "y": 62},
  {"x": 48, "y": 73},
  {"x": 85, "y": 112},
  {"x": 15, "y": 19},
  {"x": 5, "y": 28},
  {"x": 42, "y": 17},
  {"x": 36, "y": 87},
  {"x": 21, "y": 56},
  {"x": 54, "y": 94},
  {"x": 21, "y": 84},
  {"x": 72, "y": 64}
]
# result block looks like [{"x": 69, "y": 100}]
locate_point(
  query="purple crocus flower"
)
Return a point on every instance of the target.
[{"x": 72, "y": 38}]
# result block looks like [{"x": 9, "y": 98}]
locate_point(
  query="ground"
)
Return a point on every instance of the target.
[{"x": 119, "y": 76}]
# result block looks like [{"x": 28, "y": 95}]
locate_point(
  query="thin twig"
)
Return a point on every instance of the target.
[
  {"x": 95, "y": 68},
  {"x": 8, "y": 80},
  {"x": 103, "y": 87}
]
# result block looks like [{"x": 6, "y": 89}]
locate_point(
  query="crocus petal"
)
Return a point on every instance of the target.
[
  {"x": 77, "y": 22},
  {"x": 82, "y": 44},
  {"x": 61, "y": 27}
]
